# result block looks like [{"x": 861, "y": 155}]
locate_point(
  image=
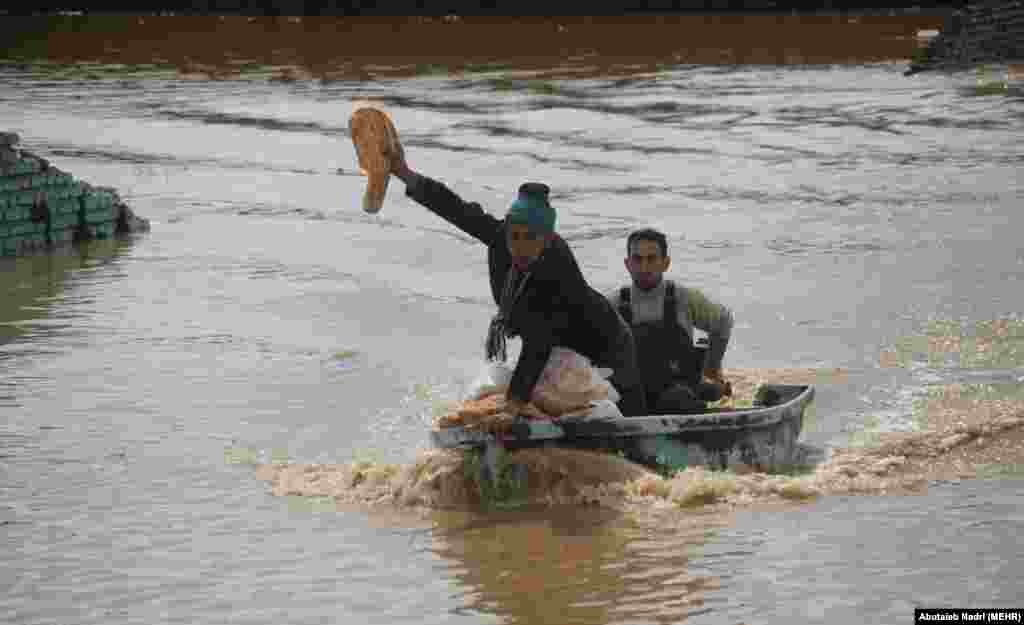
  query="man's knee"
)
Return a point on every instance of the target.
[
  {"x": 678, "y": 399},
  {"x": 632, "y": 401}
]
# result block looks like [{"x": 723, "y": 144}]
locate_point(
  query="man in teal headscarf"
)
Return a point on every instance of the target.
[{"x": 541, "y": 294}]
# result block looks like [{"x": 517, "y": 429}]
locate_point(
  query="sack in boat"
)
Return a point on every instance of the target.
[
  {"x": 487, "y": 414},
  {"x": 494, "y": 378},
  {"x": 566, "y": 387},
  {"x": 375, "y": 139},
  {"x": 569, "y": 383}
]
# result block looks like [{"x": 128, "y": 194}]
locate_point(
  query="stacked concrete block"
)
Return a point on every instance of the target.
[
  {"x": 42, "y": 206},
  {"x": 22, "y": 228},
  {"x": 63, "y": 204},
  {"x": 979, "y": 33},
  {"x": 98, "y": 218}
]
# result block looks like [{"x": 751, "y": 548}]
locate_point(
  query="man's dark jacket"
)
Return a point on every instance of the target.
[{"x": 557, "y": 307}]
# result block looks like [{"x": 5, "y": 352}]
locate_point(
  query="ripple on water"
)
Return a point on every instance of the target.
[
  {"x": 788, "y": 246},
  {"x": 17, "y": 444},
  {"x": 155, "y": 160},
  {"x": 656, "y": 562}
]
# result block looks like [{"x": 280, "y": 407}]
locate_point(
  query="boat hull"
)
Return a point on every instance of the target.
[{"x": 763, "y": 437}]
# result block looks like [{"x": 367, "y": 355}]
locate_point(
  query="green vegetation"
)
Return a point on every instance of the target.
[
  {"x": 480, "y": 68},
  {"x": 869, "y": 436},
  {"x": 298, "y": 503},
  {"x": 502, "y": 83},
  {"x": 921, "y": 56},
  {"x": 422, "y": 391},
  {"x": 987, "y": 89},
  {"x": 94, "y": 71},
  {"x": 507, "y": 489},
  {"x": 977, "y": 392},
  {"x": 237, "y": 454},
  {"x": 431, "y": 69},
  {"x": 810, "y": 418},
  {"x": 367, "y": 457},
  {"x": 1001, "y": 471},
  {"x": 241, "y": 455},
  {"x": 667, "y": 468},
  {"x": 988, "y": 83},
  {"x": 279, "y": 455},
  {"x": 373, "y": 472},
  {"x": 794, "y": 470},
  {"x": 535, "y": 86},
  {"x": 346, "y": 354},
  {"x": 543, "y": 87},
  {"x": 943, "y": 328},
  {"x": 962, "y": 397},
  {"x": 996, "y": 344}
]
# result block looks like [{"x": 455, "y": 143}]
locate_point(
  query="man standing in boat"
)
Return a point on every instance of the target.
[
  {"x": 540, "y": 291},
  {"x": 679, "y": 377}
]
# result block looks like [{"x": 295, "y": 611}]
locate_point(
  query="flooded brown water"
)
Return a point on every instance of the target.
[{"x": 863, "y": 226}]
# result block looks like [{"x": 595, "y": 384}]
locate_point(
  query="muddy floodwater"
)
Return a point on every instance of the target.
[{"x": 190, "y": 419}]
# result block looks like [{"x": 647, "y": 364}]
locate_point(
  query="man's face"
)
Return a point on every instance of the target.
[
  {"x": 646, "y": 264},
  {"x": 525, "y": 245}
]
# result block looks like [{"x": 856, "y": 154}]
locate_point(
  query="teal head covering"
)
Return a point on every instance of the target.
[{"x": 531, "y": 207}]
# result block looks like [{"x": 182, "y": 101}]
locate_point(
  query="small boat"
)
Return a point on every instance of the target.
[{"x": 763, "y": 437}]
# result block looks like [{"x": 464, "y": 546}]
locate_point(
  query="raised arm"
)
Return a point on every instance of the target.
[{"x": 443, "y": 202}]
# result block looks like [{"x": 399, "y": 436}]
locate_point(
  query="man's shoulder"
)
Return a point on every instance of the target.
[
  {"x": 676, "y": 288},
  {"x": 697, "y": 299},
  {"x": 690, "y": 297},
  {"x": 682, "y": 290}
]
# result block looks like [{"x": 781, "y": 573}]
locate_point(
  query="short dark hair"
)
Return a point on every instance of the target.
[{"x": 647, "y": 234}]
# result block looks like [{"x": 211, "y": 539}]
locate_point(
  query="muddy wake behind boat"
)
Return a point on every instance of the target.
[{"x": 963, "y": 439}]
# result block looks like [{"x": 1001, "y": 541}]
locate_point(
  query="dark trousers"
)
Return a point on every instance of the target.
[
  {"x": 679, "y": 398},
  {"x": 633, "y": 402},
  {"x": 621, "y": 358},
  {"x": 676, "y": 399}
]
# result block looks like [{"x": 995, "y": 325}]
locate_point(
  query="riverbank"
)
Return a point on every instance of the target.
[{"x": 330, "y": 48}]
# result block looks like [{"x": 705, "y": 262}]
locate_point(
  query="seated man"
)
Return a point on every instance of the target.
[{"x": 679, "y": 377}]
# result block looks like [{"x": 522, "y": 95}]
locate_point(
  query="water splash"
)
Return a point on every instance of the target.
[
  {"x": 443, "y": 479},
  {"x": 967, "y": 441}
]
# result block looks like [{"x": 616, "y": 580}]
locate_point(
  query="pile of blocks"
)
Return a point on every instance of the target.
[
  {"x": 42, "y": 206},
  {"x": 976, "y": 33}
]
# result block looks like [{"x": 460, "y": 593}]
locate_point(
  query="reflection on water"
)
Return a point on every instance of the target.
[
  {"x": 33, "y": 284},
  {"x": 576, "y": 564}
]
